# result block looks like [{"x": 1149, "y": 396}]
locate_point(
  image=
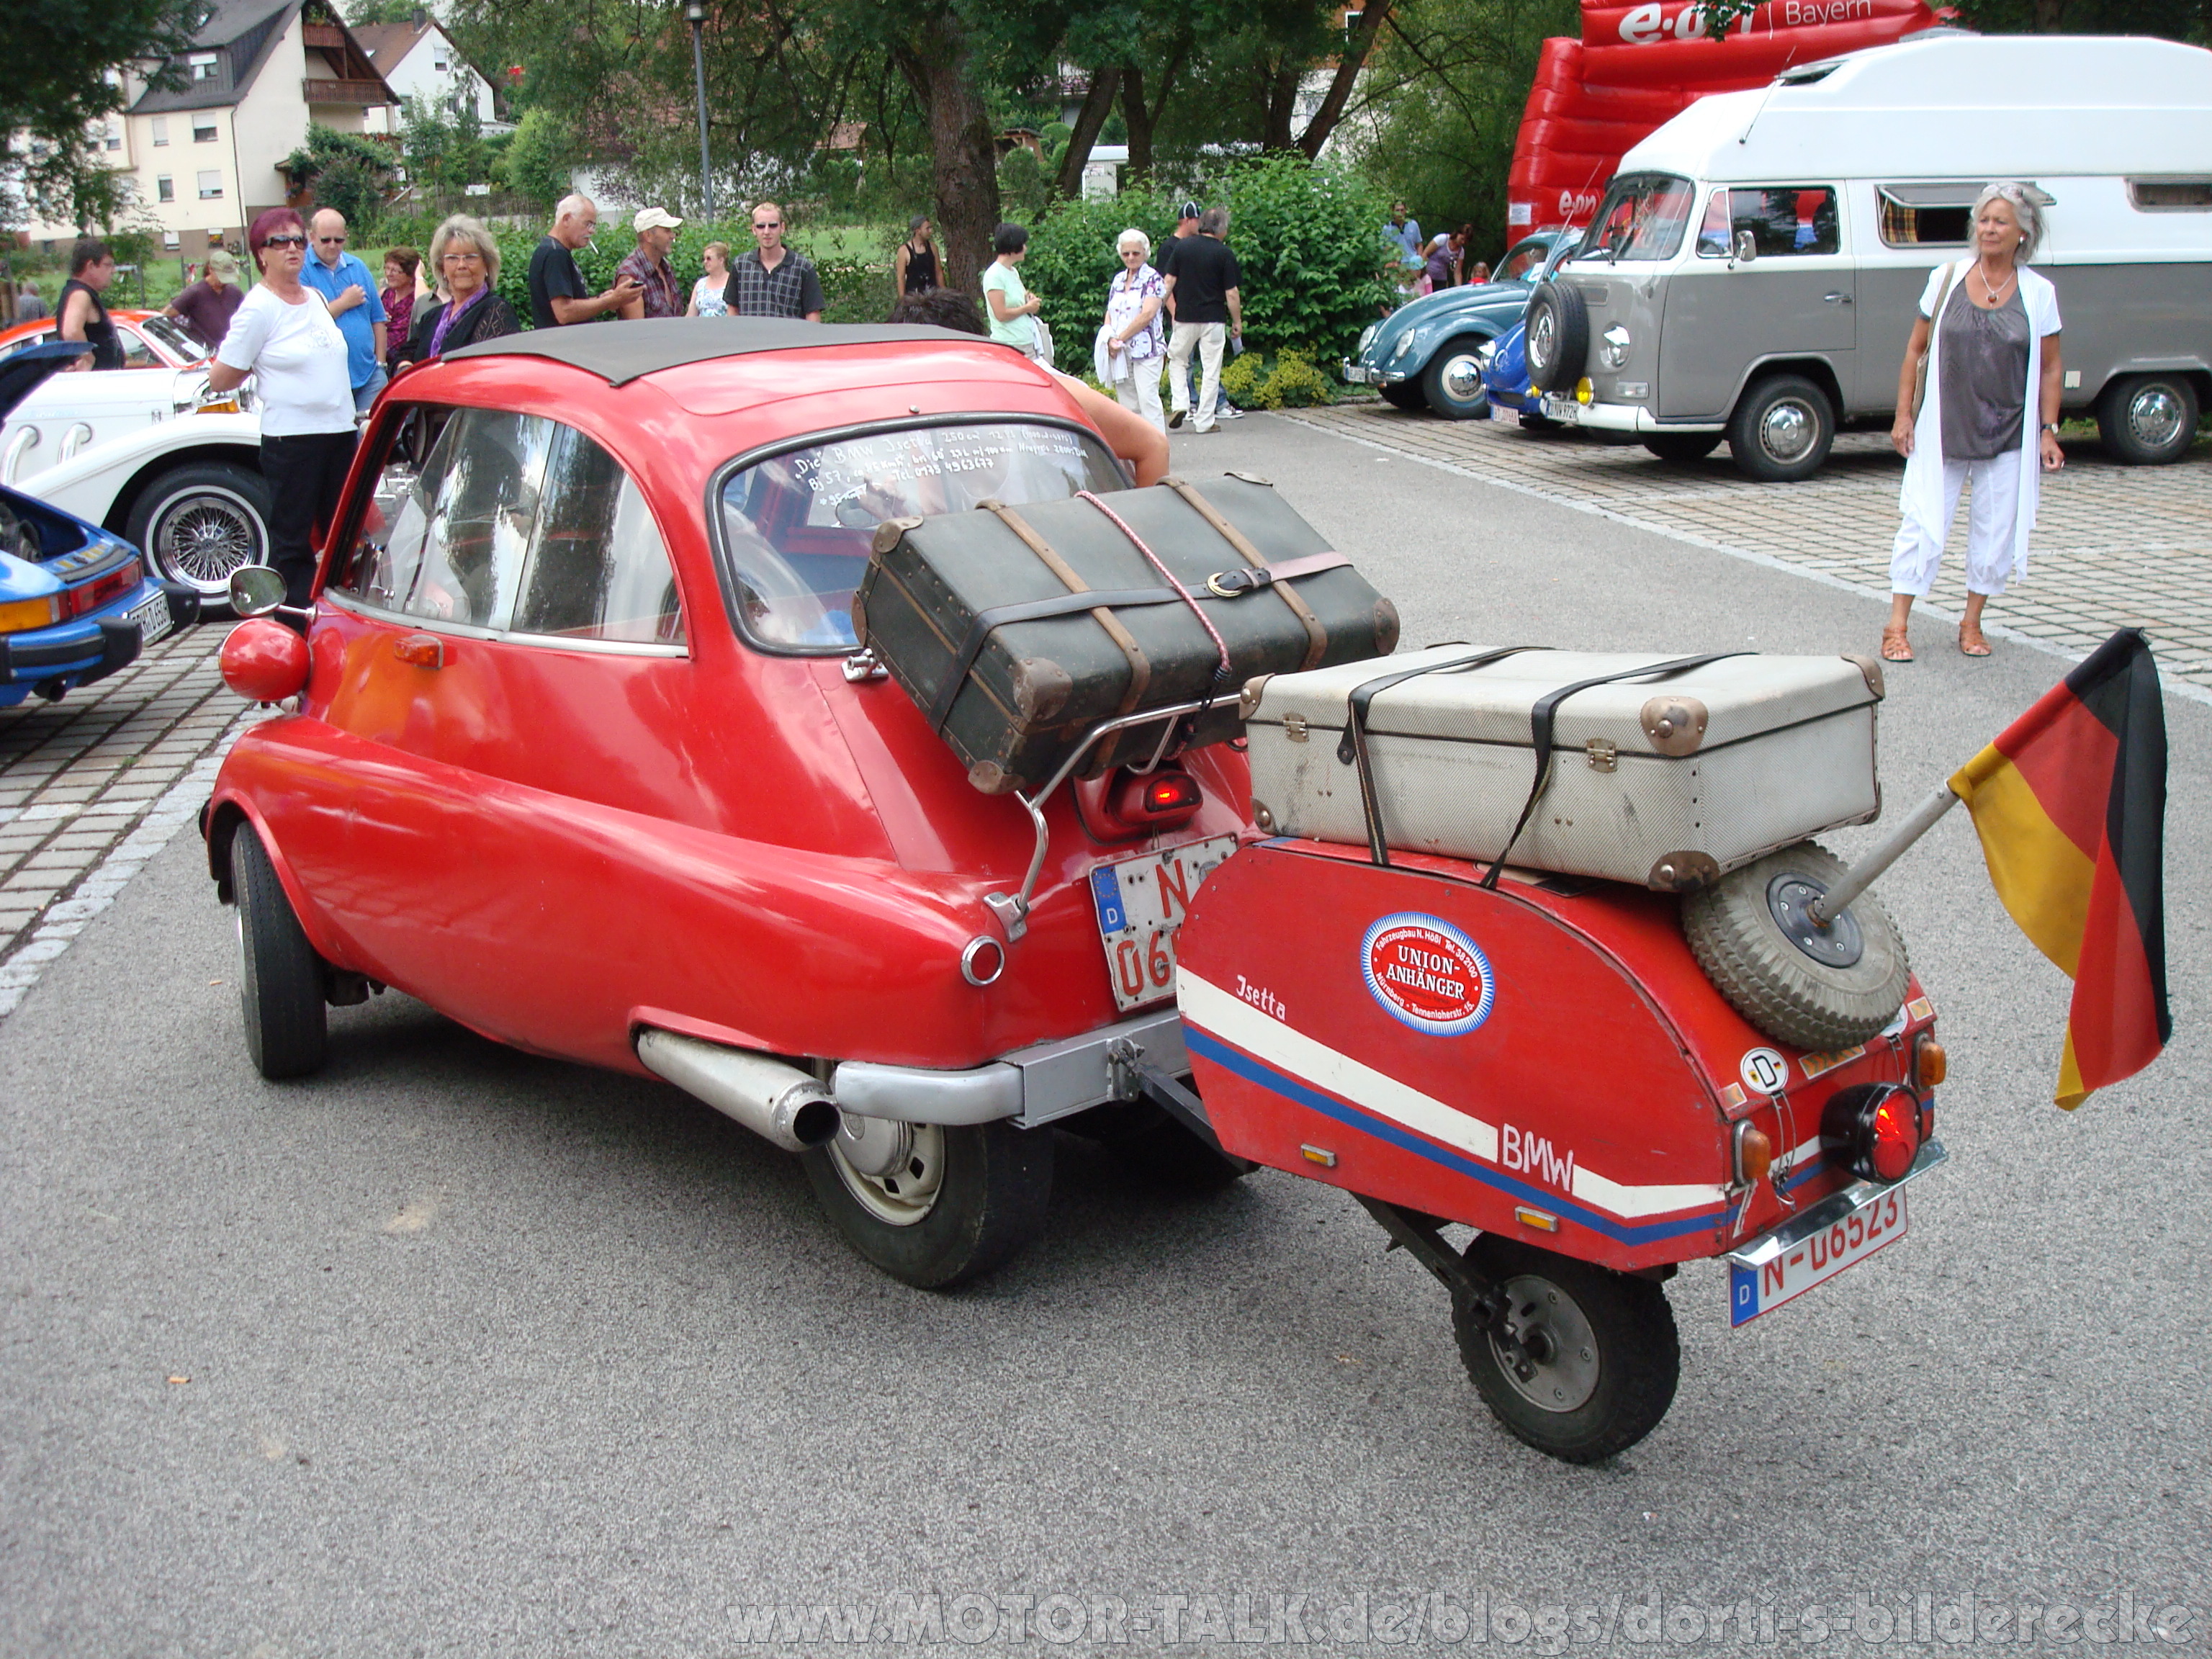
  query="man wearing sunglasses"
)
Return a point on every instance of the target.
[
  {"x": 773, "y": 280},
  {"x": 350, "y": 293}
]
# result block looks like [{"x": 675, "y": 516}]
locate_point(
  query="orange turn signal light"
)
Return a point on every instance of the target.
[
  {"x": 1930, "y": 1066},
  {"x": 1754, "y": 1154}
]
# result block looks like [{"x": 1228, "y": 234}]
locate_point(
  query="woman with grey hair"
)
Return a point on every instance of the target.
[
  {"x": 1132, "y": 345},
  {"x": 466, "y": 261},
  {"x": 1983, "y": 352}
]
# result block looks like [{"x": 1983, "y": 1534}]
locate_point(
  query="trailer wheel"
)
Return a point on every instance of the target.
[
  {"x": 282, "y": 983},
  {"x": 1816, "y": 988},
  {"x": 958, "y": 1202},
  {"x": 1597, "y": 1359}
]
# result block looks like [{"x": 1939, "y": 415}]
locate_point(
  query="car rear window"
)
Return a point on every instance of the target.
[{"x": 796, "y": 528}]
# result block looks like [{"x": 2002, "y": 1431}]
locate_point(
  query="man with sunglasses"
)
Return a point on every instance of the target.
[
  {"x": 773, "y": 280},
  {"x": 350, "y": 293}
]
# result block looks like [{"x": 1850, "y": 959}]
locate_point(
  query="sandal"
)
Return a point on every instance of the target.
[
  {"x": 1895, "y": 647},
  {"x": 1972, "y": 645}
]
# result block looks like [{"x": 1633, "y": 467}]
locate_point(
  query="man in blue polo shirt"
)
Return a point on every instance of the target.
[{"x": 350, "y": 291}]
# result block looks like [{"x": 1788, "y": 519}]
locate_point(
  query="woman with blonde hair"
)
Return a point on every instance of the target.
[
  {"x": 709, "y": 295},
  {"x": 466, "y": 261},
  {"x": 1983, "y": 352}
]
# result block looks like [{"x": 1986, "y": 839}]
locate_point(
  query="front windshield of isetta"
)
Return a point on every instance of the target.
[
  {"x": 1643, "y": 217},
  {"x": 798, "y": 526}
]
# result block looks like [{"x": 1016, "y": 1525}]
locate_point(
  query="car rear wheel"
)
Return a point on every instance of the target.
[
  {"x": 1680, "y": 448},
  {"x": 282, "y": 981},
  {"x": 1406, "y": 395},
  {"x": 934, "y": 1205},
  {"x": 2148, "y": 420},
  {"x": 1452, "y": 382},
  {"x": 1596, "y": 1356},
  {"x": 199, "y": 523},
  {"x": 1782, "y": 429}
]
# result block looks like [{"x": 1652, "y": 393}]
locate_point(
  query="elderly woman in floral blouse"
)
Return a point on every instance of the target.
[{"x": 1134, "y": 342}]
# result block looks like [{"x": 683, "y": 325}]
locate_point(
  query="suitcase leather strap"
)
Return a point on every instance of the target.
[
  {"x": 986, "y": 623},
  {"x": 1540, "y": 731},
  {"x": 1351, "y": 749},
  {"x": 1140, "y": 667},
  {"x": 1316, "y": 633},
  {"x": 1235, "y": 584}
]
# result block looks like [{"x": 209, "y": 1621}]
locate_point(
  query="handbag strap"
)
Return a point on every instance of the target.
[
  {"x": 1540, "y": 732},
  {"x": 1351, "y": 749}
]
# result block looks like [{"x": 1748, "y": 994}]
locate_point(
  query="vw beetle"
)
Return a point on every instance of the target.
[{"x": 1428, "y": 353}]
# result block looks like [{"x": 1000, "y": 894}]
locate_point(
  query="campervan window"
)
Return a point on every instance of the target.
[
  {"x": 2170, "y": 195},
  {"x": 1783, "y": 220},
  {"x": 1921, "y": 216},
  {"x": 1643, "y": 217}
]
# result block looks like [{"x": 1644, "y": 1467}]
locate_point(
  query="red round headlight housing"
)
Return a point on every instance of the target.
[
  {"x": 265, "y": 661},
  {"x": 1873, "y": 1130}
]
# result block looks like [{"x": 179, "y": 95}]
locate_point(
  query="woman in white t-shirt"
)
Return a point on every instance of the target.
[
  {"x": 283, "y": 336},
  {"x": 707, "y": 298}
]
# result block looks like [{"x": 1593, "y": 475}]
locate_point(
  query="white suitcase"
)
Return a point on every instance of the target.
[{"x": 1666, "y": 779}]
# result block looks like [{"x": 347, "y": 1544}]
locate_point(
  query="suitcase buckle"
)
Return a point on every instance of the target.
[
  {"x": 1604, "y": 754},
  {"x": 1232, "y": 584}
]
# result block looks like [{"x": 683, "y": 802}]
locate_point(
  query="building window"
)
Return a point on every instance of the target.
[
  {"x": 202, "y": 66},
  {"x": 2170, "y": 195},
  {"x": 210, "y": 184},
  {"x": 442, "y": 61},
  {"x": 165, "y": 189},
  {"x": 171, "y": 241},
  {"x": 203, "y": 129},
  {"x": 114, "y": 135},
  {"x": 160, "y": 131}
]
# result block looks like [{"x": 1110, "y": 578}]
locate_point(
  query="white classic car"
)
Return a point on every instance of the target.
[{"x": 144, "y": 452}]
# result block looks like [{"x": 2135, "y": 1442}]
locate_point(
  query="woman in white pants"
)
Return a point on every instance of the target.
[
  {"x": 1989, "y": 330},
  {"x": 1135, "y": 343}
]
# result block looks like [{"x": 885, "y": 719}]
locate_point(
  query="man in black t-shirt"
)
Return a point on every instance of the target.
[
  {"x": 557, "y": 294},
  {"x": 1209, "y": 312}
]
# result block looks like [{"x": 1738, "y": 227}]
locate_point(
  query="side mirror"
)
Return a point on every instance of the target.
[
  {"x": 1746, "y": 247},
  {"x": 256, "y": 590}
]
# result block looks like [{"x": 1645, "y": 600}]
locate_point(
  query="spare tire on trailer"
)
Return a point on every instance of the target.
[
  {"x": 1557, "y": 344},
  {"x": 1813, "y": 987}
]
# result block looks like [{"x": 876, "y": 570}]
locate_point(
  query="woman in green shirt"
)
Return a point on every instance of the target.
[{"x": 1012, "y": 307}]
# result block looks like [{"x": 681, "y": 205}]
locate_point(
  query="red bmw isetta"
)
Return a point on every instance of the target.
[{"x": 580, "y": 745}]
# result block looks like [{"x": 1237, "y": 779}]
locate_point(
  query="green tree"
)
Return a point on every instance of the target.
[
  {"x": 540, "y": 159},
  {"x": 56, "y": 92},
  {"x": 349, "y": 173}
]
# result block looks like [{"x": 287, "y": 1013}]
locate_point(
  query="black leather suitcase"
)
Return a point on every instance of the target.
[{"x": 1018, "y": 630}]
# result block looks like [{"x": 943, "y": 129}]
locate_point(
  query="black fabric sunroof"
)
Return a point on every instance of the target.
[{"x": 620, "y": 352}]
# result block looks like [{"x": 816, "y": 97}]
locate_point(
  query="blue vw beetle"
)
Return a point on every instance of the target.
[
  {"x": 1428, "y": 353},
  {"x": 76, "y": 603}
]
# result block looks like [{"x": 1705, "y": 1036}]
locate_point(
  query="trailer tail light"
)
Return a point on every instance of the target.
[
  {"x": 1874, "y": 1130},
  {"x": 1930, "y": 1065},
  {"x": 1127, "y": 805}
]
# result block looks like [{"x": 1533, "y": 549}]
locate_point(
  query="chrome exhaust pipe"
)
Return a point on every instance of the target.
[{"x": 777, "y": 1101}]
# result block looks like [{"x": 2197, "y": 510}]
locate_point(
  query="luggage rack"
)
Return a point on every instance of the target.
[{"x": 1012, "y": 909}]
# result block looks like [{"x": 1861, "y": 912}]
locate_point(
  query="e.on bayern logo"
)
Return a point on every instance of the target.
[{"x": 1426, "y": 973}]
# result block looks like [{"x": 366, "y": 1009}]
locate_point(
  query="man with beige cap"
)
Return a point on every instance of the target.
[
  {"x": 658, "y": 294},
  {"x": 206, "y": 307}
]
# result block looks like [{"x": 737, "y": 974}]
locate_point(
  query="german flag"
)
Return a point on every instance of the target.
[{"x": 2071, "y": 804}]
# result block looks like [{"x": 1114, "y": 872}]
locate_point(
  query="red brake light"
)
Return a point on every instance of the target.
[
  {"x": 1874, "y": 1130},
  {"x": 1123, "y": 806},
  {"x": 1171, "y": 792}
]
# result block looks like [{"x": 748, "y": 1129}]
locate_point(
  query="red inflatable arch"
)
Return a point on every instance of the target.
[{"x": 1638, "y": 65}]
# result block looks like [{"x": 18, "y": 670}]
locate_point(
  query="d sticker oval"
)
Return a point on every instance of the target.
[{"x": 1427, "y": 974}]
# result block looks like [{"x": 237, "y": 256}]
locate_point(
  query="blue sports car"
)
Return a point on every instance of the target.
[
  {"x": 76, "y": 603},
  {"x": 1428, "y": 353}
]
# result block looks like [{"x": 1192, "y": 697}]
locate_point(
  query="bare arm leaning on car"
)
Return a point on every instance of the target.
[{"x": 1128, "y": 434}]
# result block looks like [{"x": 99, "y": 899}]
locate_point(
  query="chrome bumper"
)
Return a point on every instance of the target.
[
  {"x": 1360, "y": 374},
  {"x": 1617, "y": 418},
  {"x": 1756, "y": 1253},
  {"x": 1031, "y": 1085}
]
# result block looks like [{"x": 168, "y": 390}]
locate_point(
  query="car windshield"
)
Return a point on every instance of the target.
[
  {"x": 1643, "y": 217},
  {"x": 796, "y": 527}
]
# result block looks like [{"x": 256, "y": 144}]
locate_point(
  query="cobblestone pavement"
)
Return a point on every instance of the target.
[
  {"x": 94, "y": 786},
  {"x": 2113, "y": 546}
]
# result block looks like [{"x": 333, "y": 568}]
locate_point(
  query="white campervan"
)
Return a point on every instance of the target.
[{"x": 1753, "y": 272}]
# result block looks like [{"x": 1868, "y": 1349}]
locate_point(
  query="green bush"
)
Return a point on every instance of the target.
[
  {"x": 1297, "y": 383},
  {"x": 538, "y": 159},
  {"x": 1244, "y": 379}
]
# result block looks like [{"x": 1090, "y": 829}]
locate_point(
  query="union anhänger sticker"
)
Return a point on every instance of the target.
[{"x": 1426, "y": 973}]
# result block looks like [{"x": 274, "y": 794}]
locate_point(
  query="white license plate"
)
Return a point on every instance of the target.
[
  {"x": 1796, "y": 1256},
  {"x": 1142, "y": 903},
  {"x": 153, "y": 618},
  {"x": 1566, "y": 410}
]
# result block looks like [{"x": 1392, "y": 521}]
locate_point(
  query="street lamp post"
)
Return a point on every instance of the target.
[{"x": 694, "y": 13}]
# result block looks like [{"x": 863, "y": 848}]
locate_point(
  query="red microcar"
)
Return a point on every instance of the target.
[{"x": 584, "y": 756}]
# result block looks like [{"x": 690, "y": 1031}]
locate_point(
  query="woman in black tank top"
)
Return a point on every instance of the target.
[
  {"x": 91, "y": 259},
  {"x": 917, "y": 257}
]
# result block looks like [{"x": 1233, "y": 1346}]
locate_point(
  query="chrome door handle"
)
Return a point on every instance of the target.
[{"x": 1837, "y": 299}]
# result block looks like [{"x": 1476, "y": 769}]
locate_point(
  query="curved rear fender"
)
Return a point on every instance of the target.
[
  {"x": 118, "y": 515},
  {"x": 221, "y": 820}
]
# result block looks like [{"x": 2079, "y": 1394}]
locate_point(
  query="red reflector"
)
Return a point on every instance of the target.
[
  {"x": 1875, "y": 1130},
  {"x": 1896, "y": 1139},
  {"x": 1171, "y": 793}
]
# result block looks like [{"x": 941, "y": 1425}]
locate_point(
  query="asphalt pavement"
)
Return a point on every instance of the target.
[{"x": 452, "y": 1350}]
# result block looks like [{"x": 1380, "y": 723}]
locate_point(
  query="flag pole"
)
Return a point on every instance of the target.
[{"x": 1918, "y": 823}]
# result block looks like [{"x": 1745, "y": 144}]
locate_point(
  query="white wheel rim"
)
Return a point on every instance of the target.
[{"x": 905, "y": 1197}]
